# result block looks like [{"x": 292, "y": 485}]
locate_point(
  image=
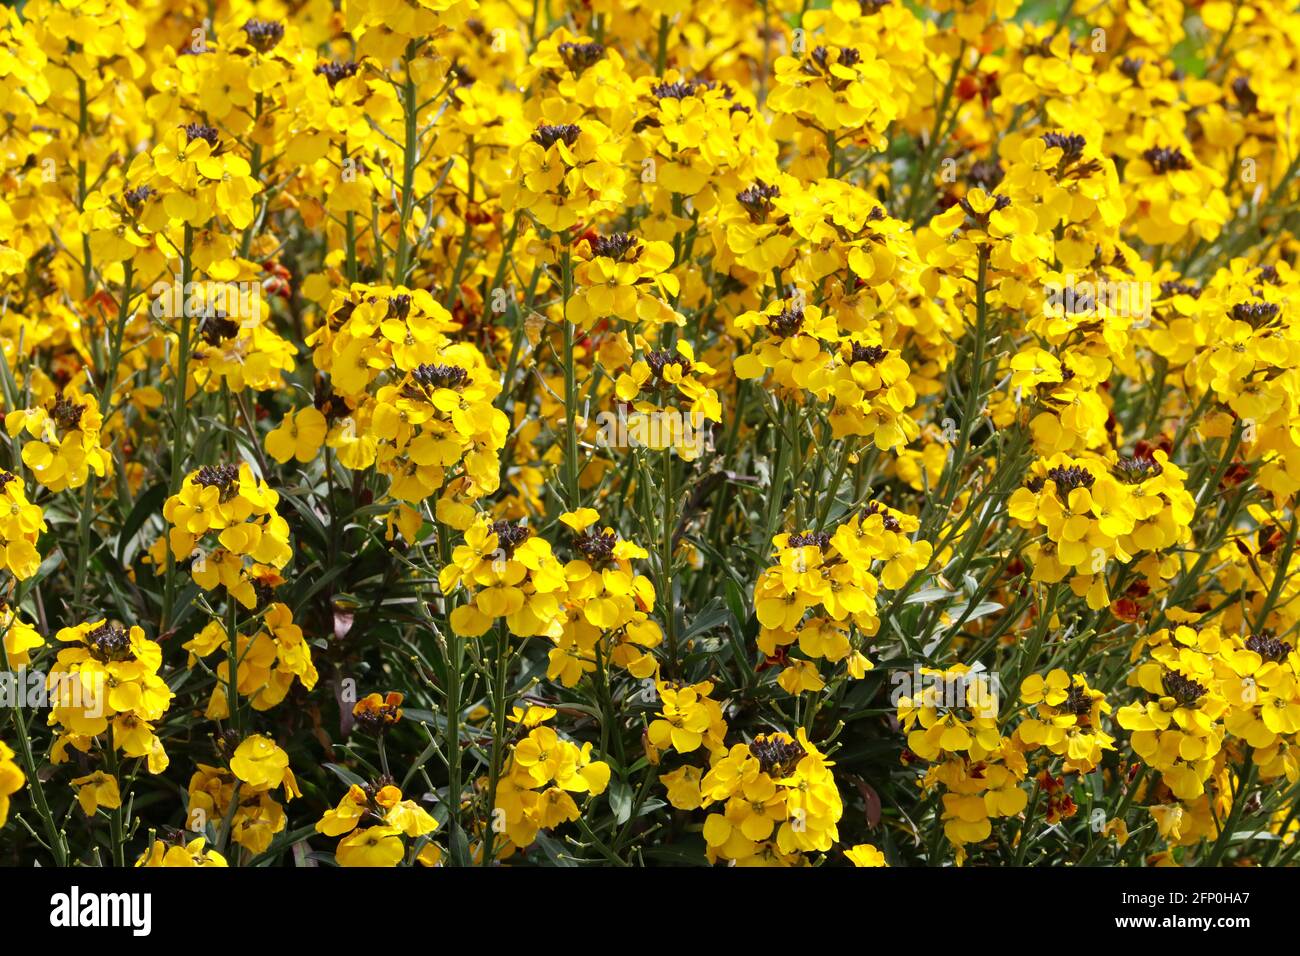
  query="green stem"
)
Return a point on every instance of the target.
[
  {"x": 179, "y": 416},
  {"x": 232, "y": 663},
  {"x": 974, "y": 388},
  {"x": 456, "y": 662},
  {"x": 255, "y": 171},
  {"x": 499, "y": 701},
  {"x": 923, "y": 161},
  {"x": 105, "y": 402},
  {"x": 410, "y": 160},
  {"x": 661, "y": 54},
  {"x": 453, "y": 294},
  {"x": 83, "y": 127},
  {"x": 571, "y": 490},
  {"x": 119, "y": 838},
  {"x": 666, "y": 564},
  {"x": 1022, "y": 838},
  {"x": 1280, "y": 576},
  {"x": 1244, "y": 782},
  {"x": 57, "y": 842}
]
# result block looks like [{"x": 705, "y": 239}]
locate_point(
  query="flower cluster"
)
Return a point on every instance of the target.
[
  {"x": 953, "y": 722},
  {"x": 106, "y": 681},
  {"x": 269, "y": 661},
  {"x": 535, "y": 791},
  {"x": 404, "y": 396},
  {"x": 607, "y": 605},
  {"x": 508, "y": 574},
  {"x": 1067, "y": 719},
  {"x": 1085, "y": 515},
  {"x": 21, "y": 523},
  {"x": 372, "y": 819},
  {"x": 1210, "y": 691},
  {"x": 779, "y": 801},
  {"x": 225, "y": 525},
  {"x": 237, "y": 799},
  {"x": 821, "y": 595},
  {"x": 192, "y": 854},
  {"x": 64, "y": 440},
  {"x": 850, "y": 433}
]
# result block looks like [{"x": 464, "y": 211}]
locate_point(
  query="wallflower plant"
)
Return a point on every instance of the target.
[{"x": 954, "y": 522}]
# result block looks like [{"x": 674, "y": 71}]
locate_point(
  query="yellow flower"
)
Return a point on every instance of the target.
[
  {"x": 97, "y": 790},
  {"x": 11, "y": 780},
  {"x": 299, "y": 436},
  {"x": 687, "y": 717},
  {"x": 20, "y": 638},
  {"x": 21, "y": 523},
  {"x": 264, "y": 766},
  {"x": 107, "y": 677},
  {"x": 864, "y": 854},
  {"x": 374, "y": 846},
  {"x": 224, "y": 523},
  {"x": 390, "y": 817},
  {"x": 192, "y": 854},
  {"x": 65, "y": 440}
]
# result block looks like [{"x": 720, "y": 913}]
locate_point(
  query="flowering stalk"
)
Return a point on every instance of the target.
[
  {"x": 453, "y": 292},
  {"x": 105, "y": 403},
  {"x": 922, "y": 165},
  {"x": 179, "y": 416},
  {"x": 1002, "y": 407},
  {"x": 255, "y": 170},
  {"x": 233, "y": 656},
  {"x": 83, "y": 130},
  {"x": 974, "y": 388}
]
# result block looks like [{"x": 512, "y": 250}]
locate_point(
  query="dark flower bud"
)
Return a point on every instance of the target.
[
  {"x": 548, "y": 136},
  {"x": 263, "y": 35}
]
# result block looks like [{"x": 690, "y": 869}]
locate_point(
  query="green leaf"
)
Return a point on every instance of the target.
[
  {"x": 554, "y": 851},
  {"x": 146, "y": 506},
  {"x": 714, "y": 614},
  {"x": 983, "y": 610},
  {"x": 620, "y": 801},
  {"x": 683, "y": 854},
  {"x": 282, "y": 843},
  {"x": 736, "y": 601},
  {"x": 315, "y": 584},
  {"x": 47, "y": 567},
  {"x": 927, "y": 595},
  {"x": 310, "y": 520},
  {"x": 347, "y": 776},
  {"x": 459, "y": 848}
]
